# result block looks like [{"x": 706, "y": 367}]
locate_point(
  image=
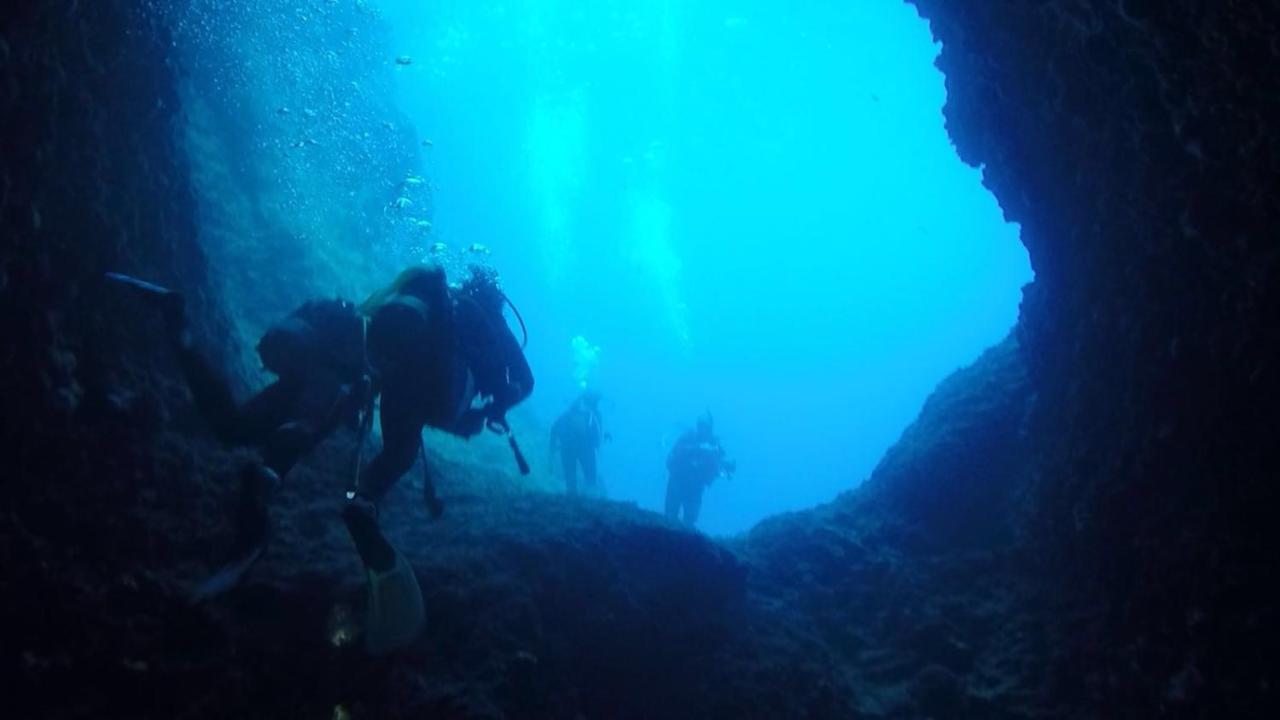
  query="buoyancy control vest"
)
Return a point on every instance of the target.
[{"x": 319, "y": 335}]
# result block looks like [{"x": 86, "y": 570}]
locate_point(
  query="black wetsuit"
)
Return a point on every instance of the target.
[
  {"x": 577, "y": 433},
  {"x": 694, "y": 462},
  {"x": 309, "y": 397},
  {"x": 474, "y": 373},
  {"x": 466, "y": 356}
]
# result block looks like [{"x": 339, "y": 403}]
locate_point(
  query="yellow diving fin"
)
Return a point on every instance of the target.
[{"x": 396, "y": 616}]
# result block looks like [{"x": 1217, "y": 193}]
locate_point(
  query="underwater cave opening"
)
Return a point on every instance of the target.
[
  {"x": 749, "y": 208},
  {"x": 746, "y": 207}
]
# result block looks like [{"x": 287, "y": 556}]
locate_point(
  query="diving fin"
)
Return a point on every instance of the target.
[
  {"x": 257, "y": 483},
  {"x": 139, "y": 284},
  {"x": 228, "y": 576},
  {"x": 396, "y": 616},
  {"x": 170, "y": 302}
]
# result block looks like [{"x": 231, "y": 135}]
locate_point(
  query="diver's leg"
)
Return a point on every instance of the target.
[
  {"x": 569, "y": 463},
  {"x": 287, "y": 424},
  {"x": 255, "y": 423},
  {"x": 264, "y": 419},
  {"x": 692, "y": 504},
  {"x": 210, "y": 389},
  {"x": 588, "y": 460},
  {"x": 261, "y": 421},
  {"x": 250, "y": 424},
  {"x": 395, "y": 613},
  {"x": 281, "y": 450},
  {"x": 401, "y": 436},
  {"x": 257, "y": 483},
  {"x": 673, "y": 500},
  {"x": 361, "y": 518},
  {"x": 395, "y": 607},
  {"x": 435, "y": 506}
]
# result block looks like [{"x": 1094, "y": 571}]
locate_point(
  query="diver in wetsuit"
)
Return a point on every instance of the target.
[
  {"x": 436, "y": 357},
  {"x": 694, "y": 462},
  {"x": 317, "y": 356},
  {"x": 577, "y": 434},
  {"x": 442, "y": 359}
]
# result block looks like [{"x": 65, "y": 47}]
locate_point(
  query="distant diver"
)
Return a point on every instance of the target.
[
  {"x": 577, "y": 435},
  {"x": 695, "y": 461},
  {"x": 435, "y": 356}
]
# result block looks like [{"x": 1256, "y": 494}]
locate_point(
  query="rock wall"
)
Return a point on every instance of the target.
[
  {"x": 92, "y": 181},
  {"x": 913, "y": 581},
  {"x": 297, "y": 152},
  {"x": 1135, "y": 142},
  {"x": 1077, "y": 526},
  {"x": 92, "y": 422}
]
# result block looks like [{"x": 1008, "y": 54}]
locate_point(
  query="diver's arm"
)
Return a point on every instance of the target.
[{"x": 724, "y": 465}]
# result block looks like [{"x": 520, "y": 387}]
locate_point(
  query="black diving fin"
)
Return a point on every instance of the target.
[
  {"x": 139, "y": 284},
  {"x": 228, "y": 576},
  {"x": 257, "y": 483},
  {"x": 170, "y": 302}
]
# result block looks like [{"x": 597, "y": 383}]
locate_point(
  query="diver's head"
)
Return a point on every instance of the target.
[
  {"x": 426, "y": 283},
  {"x": 404, "y": 318},
  {"x": 485, "y": 288},
  {"x": 706, "y": 425}
]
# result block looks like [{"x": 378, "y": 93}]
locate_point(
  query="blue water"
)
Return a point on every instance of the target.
[{"x": 746, "y": 207}]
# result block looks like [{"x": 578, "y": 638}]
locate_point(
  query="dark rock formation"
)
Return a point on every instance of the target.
[
  {"x": 1077, "y": 526},
  {"x": 914, "y": 581},
  {"x": 1135, "y": 142}
]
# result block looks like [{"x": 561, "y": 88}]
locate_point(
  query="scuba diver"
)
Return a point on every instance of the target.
[
  {"x": 577, "y": 434},
  {"x": 436, "y": 356},
  {"x": 694, "y": 462}
]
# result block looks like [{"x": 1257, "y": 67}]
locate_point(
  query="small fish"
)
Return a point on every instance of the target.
[
  {"x": 413, "y": 181},
  {"x": 282, "y": 110},
  {"x": 438, "y": 248},
  {"x": 404, "y": 60},
  {"x": 423, "y": 225},
  {"x": 478, "y": 249},
  {"x": 401, "y": 203},
  {"x": 427, "y": 143}
]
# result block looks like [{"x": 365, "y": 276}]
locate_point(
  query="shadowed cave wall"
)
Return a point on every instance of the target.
[
  {"x": 1077, "y": 525},
  {"x": 1134, "y": 141}
]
